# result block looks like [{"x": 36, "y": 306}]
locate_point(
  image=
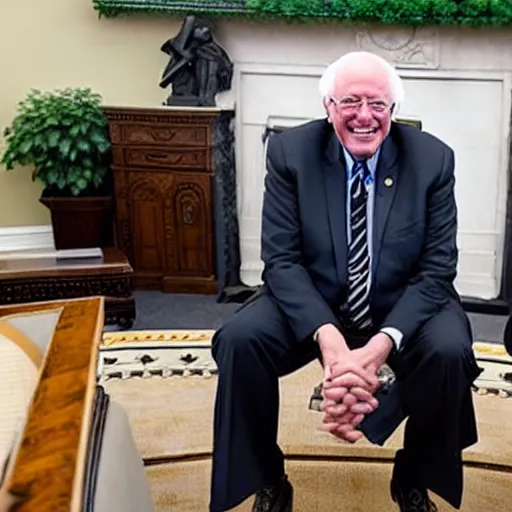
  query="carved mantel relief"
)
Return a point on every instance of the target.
[{"x": 404, "y": 47}]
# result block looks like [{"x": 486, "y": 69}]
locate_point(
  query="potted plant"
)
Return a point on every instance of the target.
[{"x": 64, "y": 135}]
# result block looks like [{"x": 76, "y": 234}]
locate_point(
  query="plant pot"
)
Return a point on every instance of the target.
[{"x": 81, "y": 222}]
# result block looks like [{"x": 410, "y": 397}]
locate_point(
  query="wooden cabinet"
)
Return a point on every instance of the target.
[{"x": 164, "y": 190}]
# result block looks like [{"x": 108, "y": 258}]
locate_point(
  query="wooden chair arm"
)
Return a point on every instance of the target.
[{"x": 46, "y": 469}]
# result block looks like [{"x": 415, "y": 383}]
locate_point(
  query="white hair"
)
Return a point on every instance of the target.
[{"x": 328, "y": 79}]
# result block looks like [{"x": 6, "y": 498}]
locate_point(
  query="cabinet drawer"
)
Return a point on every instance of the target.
[
  {"x": 196, "y": 136},
  {"x": 179, "y": 158}
]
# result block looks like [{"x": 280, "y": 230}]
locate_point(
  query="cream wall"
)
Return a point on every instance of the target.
[{"x": 61, "y": 43}]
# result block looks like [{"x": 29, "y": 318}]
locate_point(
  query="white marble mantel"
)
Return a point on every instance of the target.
[{"x": 457, "y": 81}]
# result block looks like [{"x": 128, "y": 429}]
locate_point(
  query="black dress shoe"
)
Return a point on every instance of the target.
[
  {"x": 408, "y": 496},
  {"x": 411, "y": 499},
  {"x": 275, "y": 498}
]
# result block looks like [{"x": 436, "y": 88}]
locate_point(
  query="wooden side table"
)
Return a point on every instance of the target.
[{"x": 48, "y": 278}]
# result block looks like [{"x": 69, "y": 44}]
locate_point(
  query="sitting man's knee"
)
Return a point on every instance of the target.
[
  {"x": 450, "y": 345},
  {"x": 235, "y": 337},
  {"x": 454, "y": 350},
  {"x": 450, "y": 356},
  {"x": 227, "y": 337}
]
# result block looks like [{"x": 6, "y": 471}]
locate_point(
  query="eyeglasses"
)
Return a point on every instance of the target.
[{"x": 351, "y": 104}]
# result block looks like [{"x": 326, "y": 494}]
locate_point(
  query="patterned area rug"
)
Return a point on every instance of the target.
[
  {"x": 162, "y": 354},
  {"x": 166, "y": 380},
  {"x": 157, "y": 355}
]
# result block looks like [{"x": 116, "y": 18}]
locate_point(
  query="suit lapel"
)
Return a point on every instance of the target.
[
  {"x": 335, "y": 185},
  {"x": 385, "y": 189}
]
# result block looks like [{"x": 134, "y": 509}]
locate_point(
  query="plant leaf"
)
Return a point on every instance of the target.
[
  {"x": 53, "y": 139},
  {"x": 25, "y": 146},
  {"x": 65, "y": 146}
]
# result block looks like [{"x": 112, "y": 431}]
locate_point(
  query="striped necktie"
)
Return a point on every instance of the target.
[{"x": 358, "y": 303}]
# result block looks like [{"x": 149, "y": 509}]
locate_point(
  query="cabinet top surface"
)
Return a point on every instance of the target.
[{"x": 163, "y": 109}]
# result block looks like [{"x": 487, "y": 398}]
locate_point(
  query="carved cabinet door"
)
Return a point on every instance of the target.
[
  {"x": 189, "y": 231},
  {"x": 147, "y": 222}
]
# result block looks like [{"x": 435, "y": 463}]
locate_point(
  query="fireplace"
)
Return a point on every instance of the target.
[{"x": 457, "y": 85}]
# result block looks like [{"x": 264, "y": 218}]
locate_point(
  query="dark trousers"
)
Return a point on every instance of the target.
[{"x": 257, "y": 347}]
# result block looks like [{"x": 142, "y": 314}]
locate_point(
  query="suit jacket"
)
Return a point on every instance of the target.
[{"x": 304, "y": 240}]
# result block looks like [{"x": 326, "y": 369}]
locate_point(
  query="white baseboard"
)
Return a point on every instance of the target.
[{"x": 26, "y": 238}]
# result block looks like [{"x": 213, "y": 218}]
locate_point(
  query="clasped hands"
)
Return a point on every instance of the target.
[{"x": 350, "y": 381}]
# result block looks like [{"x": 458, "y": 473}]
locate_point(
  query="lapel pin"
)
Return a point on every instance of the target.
[{"x": 388, "y": 182}]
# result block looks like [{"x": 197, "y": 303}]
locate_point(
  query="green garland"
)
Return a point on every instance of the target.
[
  {"x": 220, "y": 8},
  {"x": 476, "y": 13}
]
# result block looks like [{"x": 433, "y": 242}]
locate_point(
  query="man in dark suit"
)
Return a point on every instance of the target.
[{"x": 359, "y": 246}]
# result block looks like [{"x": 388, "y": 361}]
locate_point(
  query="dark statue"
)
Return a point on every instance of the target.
[{"x": 198, "y": 68}]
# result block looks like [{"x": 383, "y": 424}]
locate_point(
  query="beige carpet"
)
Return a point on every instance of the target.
[{"x": 169, "y": 396}]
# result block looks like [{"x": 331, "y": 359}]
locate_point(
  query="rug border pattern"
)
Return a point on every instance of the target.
[{"x": 205, "y": 335}]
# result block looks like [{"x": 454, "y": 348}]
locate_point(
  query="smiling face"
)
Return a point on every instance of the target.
[{"x": 359, "y": 107}]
